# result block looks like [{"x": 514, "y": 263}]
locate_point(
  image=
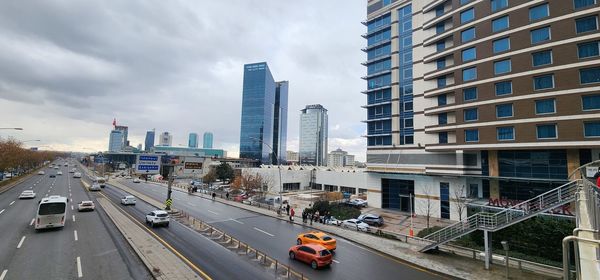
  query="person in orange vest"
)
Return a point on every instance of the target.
[{"x": 292, "y": 215}]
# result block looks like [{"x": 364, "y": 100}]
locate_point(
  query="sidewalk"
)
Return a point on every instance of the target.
[
  {"x": 162, "y": 263},
  {"x": 451, "y": 264}
]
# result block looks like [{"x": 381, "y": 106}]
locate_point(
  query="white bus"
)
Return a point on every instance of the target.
[{"x": 52, "y": 212}]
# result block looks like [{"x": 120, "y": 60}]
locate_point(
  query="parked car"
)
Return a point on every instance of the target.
[
  {"x": 371, "y": 219},
  {"x": 359, "y": 202},
  {"x": 355, "y": 224},
  {"x": 95, "y": 187},
  {"x": 317, "y": 237},
  {"x": 136, "y": 180},
  {"x": 27, "y": 194},
  {"x": 157, "y": 217},
  {"x": 334, "y": 221},
  {"x": 86, "y": 205},
  {"x": 316, "y": 255},
  {"x": 128, "y": 200}
]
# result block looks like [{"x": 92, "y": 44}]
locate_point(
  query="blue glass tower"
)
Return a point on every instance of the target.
[
  {"x": 263, "y": 101},
  {"x": 207, "y": 142},
  {"x": 193, "y": 140},
  {"x": 149, "y": 142}
]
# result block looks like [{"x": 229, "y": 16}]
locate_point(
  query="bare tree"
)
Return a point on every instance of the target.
[
  {"x": 460, "y": 199},
  {"x": 426, "y": 205},
  {"x": 248, "y": 182}
]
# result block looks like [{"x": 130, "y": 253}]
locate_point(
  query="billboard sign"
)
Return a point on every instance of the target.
[
  {"x": 193, "y": 165},
  {"x": 147, "y": 164}
]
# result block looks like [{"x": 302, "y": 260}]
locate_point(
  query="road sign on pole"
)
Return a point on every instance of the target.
[{"x": 147, "y": 164}]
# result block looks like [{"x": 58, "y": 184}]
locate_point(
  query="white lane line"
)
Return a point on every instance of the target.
[
  {"x": 263, "y": 231},
  {"x": 2, "y": 211},
  {"x": 213, "y": 212},
  {"x": 75, "y": 234},
  {"x": 32, "y": 221},
  {"x": 3, "y": 274},
  {"x": 237, "y": 221},
  {"x": 21, "y": 242},
  {"x": 335, "y": 261},
  {"x": 12, "y": 203},
  {"x": 71, "y": 207},
  {"x": 73, "y": 218},
  {"x": 79, "y": 272}
]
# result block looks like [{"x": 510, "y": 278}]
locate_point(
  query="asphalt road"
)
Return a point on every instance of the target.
[
  {"x": 88, "y": 247},
  {"x": 275, "y": 237}
]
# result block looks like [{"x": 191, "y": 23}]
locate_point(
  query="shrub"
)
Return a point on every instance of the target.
[
  {"x": 339, "y": 211},
  {"x": 428, "y": 231}
]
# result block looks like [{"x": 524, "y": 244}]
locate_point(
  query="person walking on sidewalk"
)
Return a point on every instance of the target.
[
  {"x": 317, "y": 216},
  {"x": 214, "y": 195},
  {"x": 287, "y": 209},
  {"x": 304, "y": 214},
  {"x": 292, "y": 215},
  {"x": 227, "y": 195}
]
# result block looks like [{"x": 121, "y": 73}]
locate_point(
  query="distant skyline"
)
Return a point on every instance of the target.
[{"x": 66, "y": 70}]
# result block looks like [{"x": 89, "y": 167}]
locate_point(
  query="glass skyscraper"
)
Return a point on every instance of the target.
[
  {"x": 149, "y": 142},
  {"x": 193, "y": 140},
  {"x": 115, "y": 142},
  {"x": 263, "y": 100},
  {"x": 313, "y": 135},
  {"x": 207, "y": 142}
]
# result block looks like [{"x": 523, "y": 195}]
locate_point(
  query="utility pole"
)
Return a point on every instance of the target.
[{"x": 169, "y": 201}]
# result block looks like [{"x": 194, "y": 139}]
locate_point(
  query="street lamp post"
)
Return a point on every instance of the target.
[
  {"x": 278, "y": 167},
  {"x": 506, "y": 248},
  {"x": 411, "y": 232}
]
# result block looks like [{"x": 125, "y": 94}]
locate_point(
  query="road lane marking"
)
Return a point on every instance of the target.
[
  {"x": 213, "y": 212},
  {"x": 3, "y": 274},
  {"x": 75, "y": 234},
  {"x": 32, "y": 221},
  {"x": 2, "y": 211},
  {"x": 71, "y": 207},
  {"x": 335, "y": 261},
  {"x": 237, "y": 221},
  {"x": 21, "y": 242},
  {"x": 12, "y": 203},
  {"x": 263, "y": 231},
  {"x": 79, "y": 272},
  {"x": 73, "y": 218}
]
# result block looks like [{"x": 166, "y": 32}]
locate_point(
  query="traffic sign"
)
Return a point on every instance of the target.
[{"x": 147, "y": 164}]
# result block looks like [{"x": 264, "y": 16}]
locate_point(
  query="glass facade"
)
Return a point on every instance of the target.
[
  {"x": 541, "y": 164},
  {"x": 313, "y": 135},
  {"x": 405, "y": 75},
  {"x": 207, "y": 142},
  {"x": 193, "y": 140},
  {"x": 396, "y": 194},
  {"x": 445, "y": 200},
  {"x": 149, "y": 141},
  {"x": 280, "y": 123}
]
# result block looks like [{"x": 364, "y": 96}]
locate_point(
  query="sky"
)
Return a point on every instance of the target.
[{"x": 68, "y": 68}]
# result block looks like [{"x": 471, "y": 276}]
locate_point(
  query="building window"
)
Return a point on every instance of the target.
[
  {"x": 578, "y": 4},
  {"x": 440, "y": 27},
  {"x": 469, "y": 54},
  {"x": 590, "y": 102},
  {"x": 589, "y": 49},
  {"x": 498, "y": 5},
  {"x": 546, "y": 106},
  {"x": 443, "y": 137},
  {"x": 439, "y": 10},
  {"x": 440, "y": 46},
  {"x": 468, "y": 35},
  {"x": 504, "y": 111},
  {"x": 506, "y": 133},
  {"x": 467, "y": 15},
  {"x": 469, "y": 74},
  {"x": 500, "y": 24},
  {"x": 408, "y": 123},
  {"x": 441, "y": 82},
  {"x": 470, "y": 94},
  {"x": 539, "y": 12},
  {"x": 501, "y": 45},
  {"x": 542, "y": 58},
  {"x": 543, "y": 82},
  {"x": 408, "y": 106},
  {"x": 586, "y": 24},
  {"x": 443, "y": 118},
  {"x": 442, "y": 100},
  {"x": 471, "y": 135},
  {"x": 540, "y": 35},
  {"x": 503, "y": 88},
  {"x": 470, "y": 114},
  {"x": 441, "y": 63},
  {"x": 591, "y": 129},
  {"x": 590, "y": 75},
  {"x": 462, "y": 2},
  {"x": 502, "y": 67},
  {"x": 409, "y": 139},
  {"x": 386, "y": 2},
  {"x": 546, "y": 131}
]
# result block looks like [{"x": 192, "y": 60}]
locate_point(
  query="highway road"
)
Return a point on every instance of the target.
[
  {"x": 88, "y": 247},
  {"x": 275, "y": 237}
]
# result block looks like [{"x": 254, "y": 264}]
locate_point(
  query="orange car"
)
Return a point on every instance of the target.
[
  {"x": 316, "y": 255},
  {"x": 319, "y": 238}
]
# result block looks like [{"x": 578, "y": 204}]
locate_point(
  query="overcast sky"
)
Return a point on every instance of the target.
[{"x": 67, "y": 68}]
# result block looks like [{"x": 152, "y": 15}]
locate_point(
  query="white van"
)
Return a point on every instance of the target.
[{"x": 51, "y": 212}]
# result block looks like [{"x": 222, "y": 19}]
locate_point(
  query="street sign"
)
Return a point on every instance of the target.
[{"x": 147, "y": 164}]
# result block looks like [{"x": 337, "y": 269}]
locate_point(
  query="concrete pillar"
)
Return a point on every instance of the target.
[
  {"x": 494, "y": 171},
  {"x": 573, "y": 162},
  {"x": 487, "y": 240}
]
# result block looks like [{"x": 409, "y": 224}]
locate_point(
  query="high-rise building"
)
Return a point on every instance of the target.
[
  {"x": 207, "y": 142},
  {"x": 292, "y": 157},
  {"x": 264, "y": 100},
  {"x": 480, "y": 90},
  {"x": 165, "y": 139},
  {"x": 149, "y": 141},
  {"x": 193, "y": 140},
  {"x": 124, "y": 130},
  {"x": 339, "y": 158},
  {"x": 115, "y": 141},
  {"x": 313, "y": 135}
]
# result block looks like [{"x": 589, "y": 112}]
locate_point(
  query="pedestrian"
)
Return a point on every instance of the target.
[
  {"x": 304, "y": 216},
  {"x": 310, "y": 217},
  {"x": 287, "y": 209},
  {"x": 214, "y": 195},
  {"x": 292, "y": 215},
  {"x": 317, "y": 216},
  {"x": 227, "y": 195},
  {"x": 597, "y": 177}
]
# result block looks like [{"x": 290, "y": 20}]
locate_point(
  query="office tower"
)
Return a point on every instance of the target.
[
  {"x": 165, "y": 139},
  {"x": 124, "y": 131},
  {"x": 193, "y": 140},
  {"x": 313, "y": 135},
  {"x": 115, "y": 141},
  {"x": 292, "y": 157},
  {"x": 207, "y": 142},
  {"x": 139, "y": 147},
  {"x": 480, "y": 90},
  {"x": 149, "y": 141},
  {"x": 261, "y": 137}
]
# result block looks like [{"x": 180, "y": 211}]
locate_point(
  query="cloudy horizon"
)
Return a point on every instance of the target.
[{"x": 69, "y": 68}]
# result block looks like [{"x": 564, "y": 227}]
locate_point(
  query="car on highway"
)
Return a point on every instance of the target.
[
  {"x": 73, "y": 170},
  {"x": 95, "y": 187},
  {"x": 59, "y": 173},
  {"x": 41, "y": 172},
  {"x": 317, "y": 237},
  {"x": 52, "y": 175},
  {"x": 371, "y": 219},
  {"x": 86, "y": 205},
  {"x": 128, "y": 200},
  {"x": 77, "y": 175},
  {"x": 27, "y": 194},
  {"x": 157, "y": 217},
  {"x": 136, "y": 180},
  {"x": 315, "y": 255},
  {"x": 355, "y": 224},
  {"x": 55, "y": 167}
]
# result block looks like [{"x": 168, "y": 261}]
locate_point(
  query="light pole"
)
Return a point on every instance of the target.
[
  {"x": 278, "y": 167},
  {"x": 506, "y": 248},
  {"x": 411, "y": 232}
]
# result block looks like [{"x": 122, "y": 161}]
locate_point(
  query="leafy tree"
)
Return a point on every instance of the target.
[
  {"x": 224, "y": 172},
  {"x": 210, "y": 177}
]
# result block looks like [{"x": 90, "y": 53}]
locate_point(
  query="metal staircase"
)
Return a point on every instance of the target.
[{"x": 494, "y": 221}]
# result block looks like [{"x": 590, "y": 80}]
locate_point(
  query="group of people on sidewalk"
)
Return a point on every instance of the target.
[{"x": 310, "y": 215}]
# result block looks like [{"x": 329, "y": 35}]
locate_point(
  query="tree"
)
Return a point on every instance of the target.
[
  {"x": 461, "y": 201},
  {"x": 210, "y": 177},
  {"x": 248, "y": 182},
  {"x": 426, "y": 205},
  {"x": 224, "y": 172}
]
